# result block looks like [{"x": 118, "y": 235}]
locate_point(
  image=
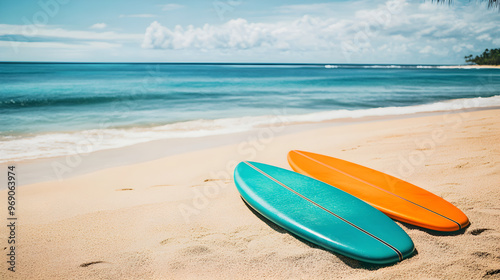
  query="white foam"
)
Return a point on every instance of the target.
[
  {"x": 62, "y": 144},
  {"x": 450, "y": 105},
  {"x": 382, "y": 66},
  {"x": 464, "y": 67}
]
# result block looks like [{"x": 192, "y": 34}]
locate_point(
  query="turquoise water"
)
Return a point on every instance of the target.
[{"x": 48, "y": 105}]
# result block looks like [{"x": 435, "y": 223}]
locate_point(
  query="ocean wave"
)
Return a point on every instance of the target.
[
  {"x": 17, "y": 148},
  {"x": 75, "y": 101},
  {"x": 449, "y": 105},
  {"x": 383, "y": 66},
  {"x": 354, "y": 66}
]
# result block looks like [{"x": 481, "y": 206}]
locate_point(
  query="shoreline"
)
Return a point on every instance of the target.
[
  {"x": 471, "y": 67},
  {"x": 241, "y": 63},
  {"x": 181, "y": 217},
  {"x": 67, "y": 166}
]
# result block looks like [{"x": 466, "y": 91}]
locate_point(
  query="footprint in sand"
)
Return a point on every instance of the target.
[
  {"x": 166, "y": 241},
  {"x": 481, "y": 254},
  {"x": 175, "y": 240},
  {"x": 212, "y": 180},
  {"x": 90, "y": 263},
  {"x": 478, "y": 231},
  {"x": 195, "y": 250},
  {"x": 492, "y": 272},
  {"x": 491, "y": 211}
]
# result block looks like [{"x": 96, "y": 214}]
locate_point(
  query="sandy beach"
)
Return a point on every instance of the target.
[{"x": 181, "y": 217}]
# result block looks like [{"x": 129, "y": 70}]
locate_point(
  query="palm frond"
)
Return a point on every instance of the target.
[{"x": 491, "y": 3}]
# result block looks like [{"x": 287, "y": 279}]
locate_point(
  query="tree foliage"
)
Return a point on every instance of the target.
[
  {"x": 488, "y": 57},
  {"x": 491, "y": 3}
]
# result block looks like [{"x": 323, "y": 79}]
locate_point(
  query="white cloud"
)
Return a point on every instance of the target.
[
  {"x": 484, "y": 37},
  {"x": 52, "y": 33},
  {"x": 56, "y": 45},
  {"x": 304, "y": 33},
  {"x": 138, "y": 16},
  {"x": 394, "y": 31},
  {"x": 427, "y": 50},
  {"x": 171, "y": 7},
  {"x": 458, "y": 48},
  {"x": 387, "y": 30},
  {"x": 98, "y": 26}
]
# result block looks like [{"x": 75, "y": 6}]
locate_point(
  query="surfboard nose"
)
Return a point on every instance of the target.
[{"x": 397, "y": 198}]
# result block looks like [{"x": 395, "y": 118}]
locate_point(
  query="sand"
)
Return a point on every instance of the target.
[{"x": 180, "y": 217}]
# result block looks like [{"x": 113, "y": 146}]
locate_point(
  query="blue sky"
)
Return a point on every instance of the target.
[{"x": 390, "y": 31}]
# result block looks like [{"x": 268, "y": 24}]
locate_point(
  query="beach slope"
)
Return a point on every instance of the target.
[{"x": 181, "y": 217}]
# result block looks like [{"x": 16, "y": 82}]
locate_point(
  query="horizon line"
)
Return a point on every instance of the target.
[{"x": 221, "y": 63}]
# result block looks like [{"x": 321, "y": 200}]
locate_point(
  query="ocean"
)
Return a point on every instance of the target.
[{"x": 46, "y": 109}]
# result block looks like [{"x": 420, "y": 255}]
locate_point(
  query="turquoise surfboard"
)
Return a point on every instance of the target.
[{"x": 325, "y": 216}]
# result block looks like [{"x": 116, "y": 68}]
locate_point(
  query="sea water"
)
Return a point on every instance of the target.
[{"x": 47, "y": 108}]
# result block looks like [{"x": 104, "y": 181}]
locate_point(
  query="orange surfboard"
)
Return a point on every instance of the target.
[{"x": 398, "y": 199}]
